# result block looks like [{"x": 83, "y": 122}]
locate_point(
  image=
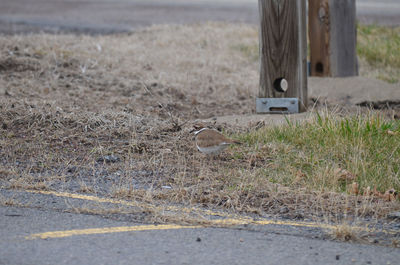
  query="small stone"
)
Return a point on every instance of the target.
[
  {"x": 71, "y": 169},
  {"x": 198, "y": 239},
  {"x": 283, "y": 210},
  {"x": 108, "y": 159},
  {"x": 394, "y": 215},
  {"x": 337, "y": 257}
]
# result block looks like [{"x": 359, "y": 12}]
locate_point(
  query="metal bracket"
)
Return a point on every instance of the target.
[{"x": 277, "y": 105}]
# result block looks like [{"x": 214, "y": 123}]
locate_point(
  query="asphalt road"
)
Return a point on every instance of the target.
[
  {"x": 169, "y": 246},
  {"x": 113, "y": 16},
  {"x": 49, "y": 228}
]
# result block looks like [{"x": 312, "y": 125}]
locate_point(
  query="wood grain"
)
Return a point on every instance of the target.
[
  {"x": 332, "y": 34},
  {"x": 283, "y": 48},
  {"x": 319, "y": 36},
  {"x": 343, "y": 38}
]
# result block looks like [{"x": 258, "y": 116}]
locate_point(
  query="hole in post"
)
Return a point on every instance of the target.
[
  {"x": 319, "y": 68},
  {"x": 282, "y": 109},
  {"x": 321, "y": 13},
  {"x": 280, "y": 84}
]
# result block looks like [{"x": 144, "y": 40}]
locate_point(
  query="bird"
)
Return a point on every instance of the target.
[{"x": 210, "y": 141}]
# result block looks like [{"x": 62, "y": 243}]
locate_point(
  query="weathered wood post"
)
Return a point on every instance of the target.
[
  {"x": 283, "y": 56},
  {"x": 333, "y": 35}
]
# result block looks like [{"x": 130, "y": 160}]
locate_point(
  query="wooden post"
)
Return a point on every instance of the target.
[
  {"x": 283, "y": 55},
  {"x": 332, "y": 33}
]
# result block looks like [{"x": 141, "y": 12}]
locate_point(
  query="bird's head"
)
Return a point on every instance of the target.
[{"x": 197, "y": 127}]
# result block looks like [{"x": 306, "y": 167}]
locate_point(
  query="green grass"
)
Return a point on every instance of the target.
[
  {"x": 308, "y": 154},
  {"x": 379, "y": 47}
]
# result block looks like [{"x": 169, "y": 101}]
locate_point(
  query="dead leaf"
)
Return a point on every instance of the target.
[
  {"x": 390, "y": 132},
  {"x": 354, "y": 188},
  {"x": 376, "y": 193},
  {"x": 194, "y": 101},
  {"x": 390, "y": 195},
  {"x": 299, "y": 176},
  {"x": 343, "y": 175},
  {"x": 367, "y": 191}
]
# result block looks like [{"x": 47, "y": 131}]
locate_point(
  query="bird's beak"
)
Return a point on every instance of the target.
[{"x": 192, "y": 131}]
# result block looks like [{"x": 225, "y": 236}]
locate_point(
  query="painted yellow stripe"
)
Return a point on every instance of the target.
[
  {"x": 221, "y": 222},
  {"x": 306, "y": 224},
  {"x": 230, "y": 219},
  {"x": 231, "y": 222},
  {"x": 85, "y": 197},
  {"x": 132, "y": 203},
  {"x": 106, "y": 230}
]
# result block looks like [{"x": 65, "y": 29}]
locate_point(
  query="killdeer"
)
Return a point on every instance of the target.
[{"x": 210, "y": 141}]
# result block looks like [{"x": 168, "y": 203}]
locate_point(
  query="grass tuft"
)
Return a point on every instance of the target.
[
  {"x": 346, "y": 232},
  {"x": 316, "y": 149}
]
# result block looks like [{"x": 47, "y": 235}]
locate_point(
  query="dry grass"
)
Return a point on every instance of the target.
[
  {"x": 68, "y": 102},
  {"x": 346, "y": 232}
]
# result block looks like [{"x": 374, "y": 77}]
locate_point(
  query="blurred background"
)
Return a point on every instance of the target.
[{"x": 113, "y": 16}]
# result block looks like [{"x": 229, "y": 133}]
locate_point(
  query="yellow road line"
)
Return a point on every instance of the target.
[
  {"x": 85, "y": 197},
  {"x": 223, "y": 222},
  {"x": 131, "y": 203},
  {"x": 307, "y": 224},
  {"x": 230, "y": 219},
  {"x": 105, "y": 230},
  {"x": 231, "y": 222}
]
